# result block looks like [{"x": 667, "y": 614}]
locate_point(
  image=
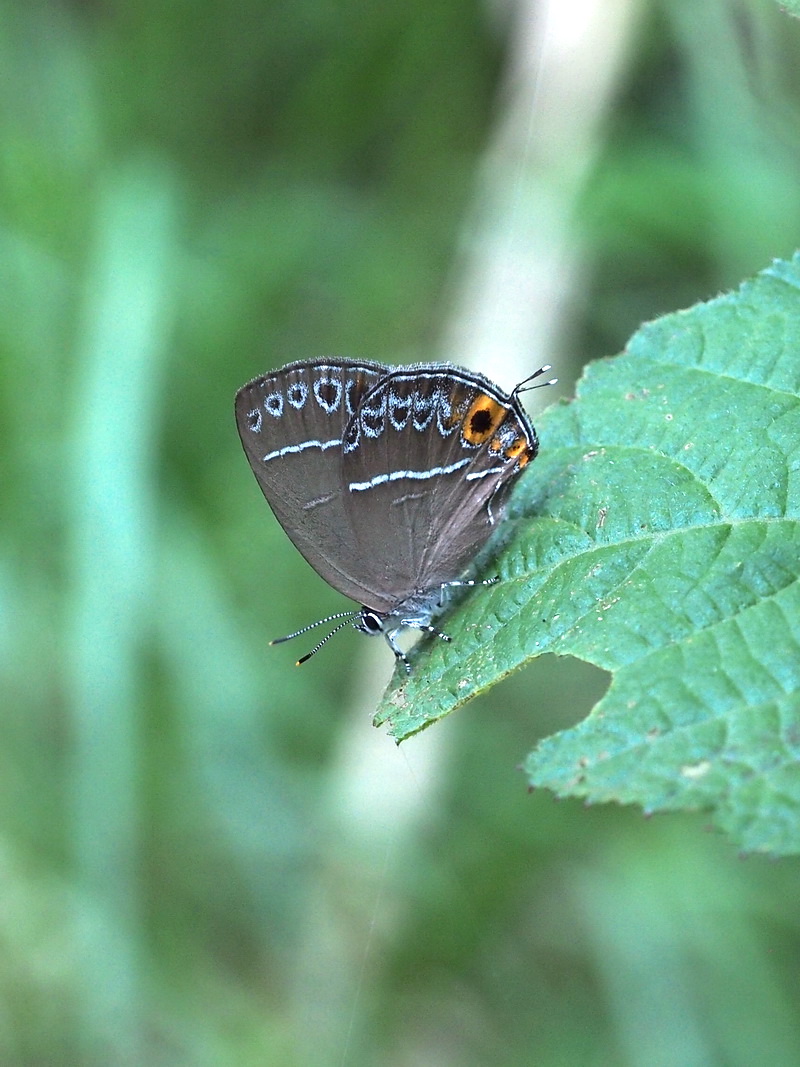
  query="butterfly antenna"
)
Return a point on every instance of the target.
[
  {"x": 347, "y": 616},
  {"x": 311, "y": 625},
  {"x": 335, "y": 630},
  {"x": 523, "y": 386}
]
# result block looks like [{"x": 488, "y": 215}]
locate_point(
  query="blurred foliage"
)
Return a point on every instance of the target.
[{"x": 190, "y": 194}]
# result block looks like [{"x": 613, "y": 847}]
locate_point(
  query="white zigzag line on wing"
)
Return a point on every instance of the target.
[
  {"x": 287, "y": 449},
  {"x": 395, "y": 476}
]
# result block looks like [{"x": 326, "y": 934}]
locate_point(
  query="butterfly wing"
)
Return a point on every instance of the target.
[
  {"x": 291, "y": 424},
  {"x": 428, "y": 457}
]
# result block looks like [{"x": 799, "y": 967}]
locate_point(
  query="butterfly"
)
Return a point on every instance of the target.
[{"x": 387, "y": 479}]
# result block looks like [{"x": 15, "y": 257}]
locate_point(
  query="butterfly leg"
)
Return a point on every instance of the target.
[
  {"x": 470, "y": 582},
  {"x": 393, "y": 645},
  {"x": 412, "y": 624},
  {"x": 425, "y": 628}
]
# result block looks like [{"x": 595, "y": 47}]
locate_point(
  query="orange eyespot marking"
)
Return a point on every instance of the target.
[
  {"x": 518, "y": 449},
  {"x": 482, "y": 418}
]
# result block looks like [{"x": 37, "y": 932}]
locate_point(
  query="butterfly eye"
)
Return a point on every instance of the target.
[{"x": 371, "y": 622}]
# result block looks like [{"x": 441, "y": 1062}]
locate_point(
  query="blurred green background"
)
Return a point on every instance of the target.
[{"x": 208, "y": 857}]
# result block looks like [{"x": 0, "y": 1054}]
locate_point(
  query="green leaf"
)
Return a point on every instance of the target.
[
  {"x": 791, "y": 7},
  {"x": 657, "y": 536}
]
